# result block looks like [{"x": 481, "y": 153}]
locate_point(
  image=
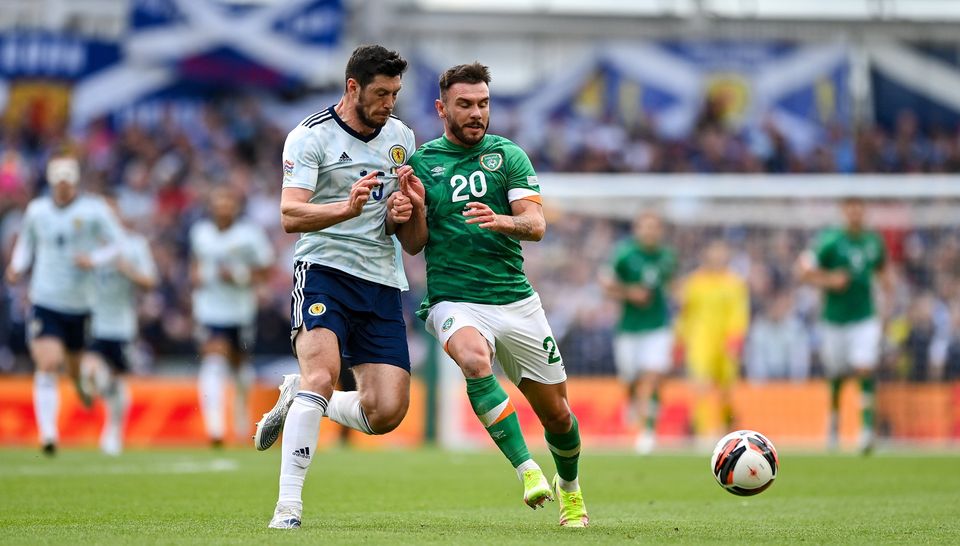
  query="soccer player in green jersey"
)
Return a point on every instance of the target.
[
  {"x": 638, "y": 278},
  {"x": 475, "y": 197},
  {"x": 843, "y": 263}
]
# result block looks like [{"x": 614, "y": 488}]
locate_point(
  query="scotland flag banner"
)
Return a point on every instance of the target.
[
  {"x": 295, "y": 38},
  {"x": 922, "y": 79},
  {"x": 799, "y": 88}
]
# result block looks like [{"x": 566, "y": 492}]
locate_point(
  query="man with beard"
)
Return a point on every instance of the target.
[
  {"x": 339, "y": 181},
  {"x": 478, "y": 199}
]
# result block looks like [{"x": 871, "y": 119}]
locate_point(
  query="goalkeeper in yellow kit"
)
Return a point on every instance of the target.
[{"x": 712, "y": 324}]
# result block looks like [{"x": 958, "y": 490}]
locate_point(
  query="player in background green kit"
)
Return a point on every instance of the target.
[
  {"x": 639, "y": 277},
  {"x": 478, "y": 199},
  {"x": 843, "y": 263}
]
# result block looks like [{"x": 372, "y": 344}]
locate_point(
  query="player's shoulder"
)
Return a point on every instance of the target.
[
  {"x": 312, "y": 126},
  {"x": 397, "y": 124},
  {"x": 40, "y": 204},
  {"x": 93, "y": 202},
  {"x": 829, "y": 236},
  {"x": 498, "y": 142}
]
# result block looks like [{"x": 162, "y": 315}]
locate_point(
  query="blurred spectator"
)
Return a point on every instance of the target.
[{"x": 778, "y": 346}]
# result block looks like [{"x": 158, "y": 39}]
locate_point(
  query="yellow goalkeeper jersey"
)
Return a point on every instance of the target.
[{"x": 714, "y": 313}]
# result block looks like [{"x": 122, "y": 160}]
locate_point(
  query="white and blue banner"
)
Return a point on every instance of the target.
[
  {"x": 183, "y": 48},
  {"x": 924, "y": 79},
  {"x": 800, "y": 88}
]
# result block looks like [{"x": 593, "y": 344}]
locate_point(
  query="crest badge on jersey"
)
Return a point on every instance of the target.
[
  {"x": 317, "y": 309},
  {"x": 491, "y": 162},
  {"x": 447, "y": 324},
  {"x": 398, "y": 154}
]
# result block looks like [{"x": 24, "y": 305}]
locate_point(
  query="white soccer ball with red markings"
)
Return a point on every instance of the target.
[{"x": 745, "y": 462}]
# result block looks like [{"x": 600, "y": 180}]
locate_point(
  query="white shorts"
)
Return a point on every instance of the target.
[
  {"x": 850, "y": 347},
  {"x": 638, "y": 352},
  {"x": 518, "y": 334}
]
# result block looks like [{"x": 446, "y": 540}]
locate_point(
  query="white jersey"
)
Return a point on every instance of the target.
[
  {"x": 52, "y": 238},
  {"x": 327, "y": 157},
  {"x": 242, "y": 248},
  {"x": 115, "y": 303}
]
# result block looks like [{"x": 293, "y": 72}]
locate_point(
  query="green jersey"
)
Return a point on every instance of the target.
[
  {"x": 860, "y": 256},
  {"x": 653, "y": 268},
  {"x": 464, "y": 262}
]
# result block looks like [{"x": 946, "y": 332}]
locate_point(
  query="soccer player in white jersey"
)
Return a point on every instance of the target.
[
  {"x": 339, "y": 191},
  {"x": 229, "y": 256},
  {"x": 113, "y": 326},
  {"x": 64, "y": 236}
]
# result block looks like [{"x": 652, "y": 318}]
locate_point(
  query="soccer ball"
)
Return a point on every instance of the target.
[{"x": 744, "y": 462}]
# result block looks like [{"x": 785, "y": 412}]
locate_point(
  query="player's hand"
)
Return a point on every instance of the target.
[
  {"x": 360, "y": 193},
  {"x": 838, "y": 280},
  {"x": 412, "y": 187},
  {"x": 638, "y": 294},
  {"x": 482, "y": 215},
  {"x": 399, "y": 208},
  {"x": 12, "y": 276},
  {"x": 83, "y": 262}
]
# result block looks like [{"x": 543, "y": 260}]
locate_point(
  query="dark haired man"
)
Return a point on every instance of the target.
[
  {"x": 478, "y": 199},
  {"x": 339, "y": 192}
]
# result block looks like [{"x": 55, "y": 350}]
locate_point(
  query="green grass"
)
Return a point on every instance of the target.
[{"x": 436, "y": 497}]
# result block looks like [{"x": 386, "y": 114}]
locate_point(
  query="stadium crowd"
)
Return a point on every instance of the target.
[{"x": 162, "y": 172}]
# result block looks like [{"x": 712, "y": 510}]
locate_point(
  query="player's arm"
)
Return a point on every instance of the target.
[
  {"x": 412, "y": 233},
  {"x": 142, "y": 271},
  {"x": 22, "y": 255},
  {"x": 299, "y": 215},
  {"x": 526, "y": 223},
  {"x": 635, "y": 293},
  {"x": 808, "y": 271}
]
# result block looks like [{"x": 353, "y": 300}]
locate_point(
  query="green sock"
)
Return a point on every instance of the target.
[
  {"x": 492, "y": 406},
  {"x": 867, "y": 387},
  {"x": 835, "y": 385},
  {"x": 565, "y": 449},
  {"x": 653, "y": 409}
]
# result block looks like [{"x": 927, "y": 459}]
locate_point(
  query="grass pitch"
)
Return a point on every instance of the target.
[{"x": 437, "y": 497}]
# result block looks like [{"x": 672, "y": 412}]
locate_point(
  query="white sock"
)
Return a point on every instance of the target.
[
  {"x": 529, "y": 464},
  {"x": 569, "y": 486},
  {"x": 299, "y": 445},
  {"x": 117, "y": 400},
  {"x": 241, "y": 412},
  {"x": 46, "y": 405},
  {"x": 212, "y": 382},
  {"x": 344, "y": 408}
]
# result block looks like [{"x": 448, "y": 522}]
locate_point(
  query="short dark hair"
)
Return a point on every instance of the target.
[
  {"x": 368, "y": 61},
  {"x": 463, "y": 73}
]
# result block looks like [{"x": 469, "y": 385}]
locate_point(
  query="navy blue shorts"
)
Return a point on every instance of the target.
[
  {"x": 366, "y": 316},
  {"x": 70, "y": 328},
  {"x": 113, "y": 352},
  {"x": 240, "y": 338}
]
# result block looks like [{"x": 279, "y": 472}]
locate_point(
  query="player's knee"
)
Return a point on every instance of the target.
[
  {"x": 317, "y": 379},
  {"x": 385, "y": 416},
  {"x": 557, "y": 420},
  {"x": 475, "y": 362}
]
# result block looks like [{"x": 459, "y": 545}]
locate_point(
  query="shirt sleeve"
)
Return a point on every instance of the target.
[
  {"x": 821, "y": 251},
  {"x": 881, "y": 254},
  {"x": 263, "y": 256},
  {"x": 521, "y": 178},
  {"x": 302, "y": 156},
  {"x": 146, "y": 265},
  {"x": 22, "y": 255},
  {"x": 111, "y": 235}
]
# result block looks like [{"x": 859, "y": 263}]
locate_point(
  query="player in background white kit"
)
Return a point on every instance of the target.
[
  {"x": 64, "y": 236},
  {"x": 340, "y": 181},
  {"x": 113, "y": 326},
  {"x": 230, "y": 256}
]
